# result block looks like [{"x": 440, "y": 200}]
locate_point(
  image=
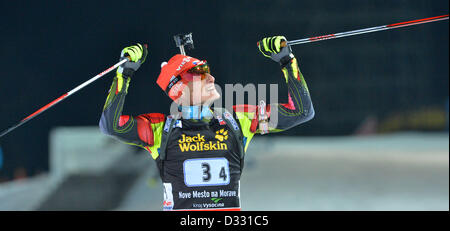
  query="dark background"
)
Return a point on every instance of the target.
[{"x": 50, "y": 47}]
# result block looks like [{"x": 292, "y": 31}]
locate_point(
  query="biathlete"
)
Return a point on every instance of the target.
[{"x": 200, "y": 150}]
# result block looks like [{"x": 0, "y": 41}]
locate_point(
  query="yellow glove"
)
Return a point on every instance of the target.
[
  {"x": 136, "y": 55},
  {"x": 272, "y": 47}
]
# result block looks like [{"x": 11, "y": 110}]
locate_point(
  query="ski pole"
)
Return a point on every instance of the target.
[
  {"x": 61, "y": 98},
  {"x": 366, "y": 30}
]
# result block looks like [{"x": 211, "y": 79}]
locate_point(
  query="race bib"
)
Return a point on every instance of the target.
[{"x": 206, "y": 172}]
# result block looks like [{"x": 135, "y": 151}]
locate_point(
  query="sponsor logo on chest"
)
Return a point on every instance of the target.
[{"x": 198, "y": 143}]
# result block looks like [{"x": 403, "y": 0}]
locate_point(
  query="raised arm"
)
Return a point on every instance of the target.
[
  {"x": 299, "y": 108},
  {"x": 281, "y": 116},
  {"x": 136, "y": 130}
]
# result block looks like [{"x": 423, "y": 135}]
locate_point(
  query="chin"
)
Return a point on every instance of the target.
[
  {"x": 216, "y": 96},
  {"x": 213, "y": 96}
]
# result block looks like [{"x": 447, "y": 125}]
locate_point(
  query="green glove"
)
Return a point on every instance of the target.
[
  {"x": 271, "y": 48},
  {"x": 136, "y": 55}
]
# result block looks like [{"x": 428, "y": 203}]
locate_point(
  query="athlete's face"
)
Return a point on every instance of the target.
[{"x": 201, "y": 90}]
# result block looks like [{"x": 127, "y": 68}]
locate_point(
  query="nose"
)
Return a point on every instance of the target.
[{"x": 210, "y": 78}]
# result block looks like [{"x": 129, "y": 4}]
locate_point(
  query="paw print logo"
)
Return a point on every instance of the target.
[{"x": 222, "y": 134}]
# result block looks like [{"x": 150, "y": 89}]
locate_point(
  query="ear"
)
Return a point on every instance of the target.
[
  {"x": 179, "y": 99},
  {"x": 182, "y": 98}
]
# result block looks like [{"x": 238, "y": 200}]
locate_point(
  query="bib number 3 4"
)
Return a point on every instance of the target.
[{"x": 206, "y": 172}]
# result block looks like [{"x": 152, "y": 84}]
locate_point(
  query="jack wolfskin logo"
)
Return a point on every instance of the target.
[
  {"x": 199, "y": 143},
  {"x": 222, "y": 134}
]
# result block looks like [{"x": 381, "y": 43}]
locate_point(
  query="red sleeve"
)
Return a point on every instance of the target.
[{"x": 144, "y": 126}]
